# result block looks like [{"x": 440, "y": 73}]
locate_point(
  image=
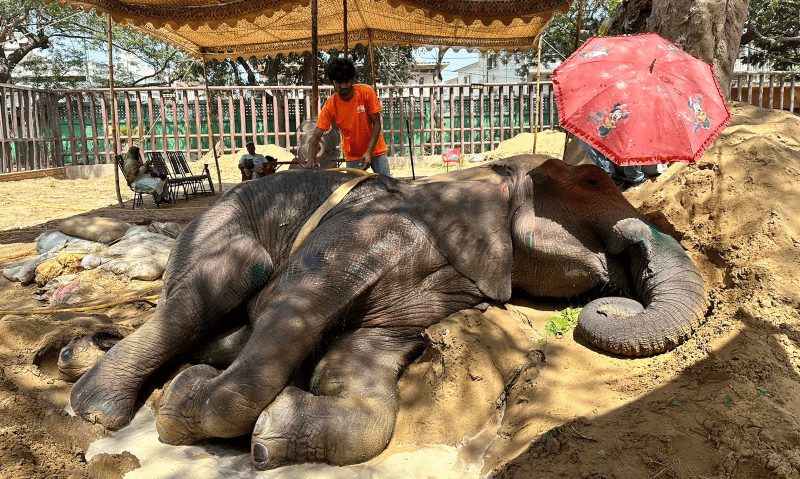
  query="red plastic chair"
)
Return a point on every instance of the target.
[{"x": 452, "y": 155}]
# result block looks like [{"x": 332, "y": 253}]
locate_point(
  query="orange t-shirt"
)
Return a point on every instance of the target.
[{"x": 351, "y": 118}]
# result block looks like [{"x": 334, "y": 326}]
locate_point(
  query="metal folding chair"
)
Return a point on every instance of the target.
[
  {"x": 156, "y": 159},
  {"x": 196, "y": 182}
]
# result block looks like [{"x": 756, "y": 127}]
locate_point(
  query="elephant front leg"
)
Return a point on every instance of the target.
[
  {"x": 348, "y": 417},
  {"x": 201, "y": 289}
]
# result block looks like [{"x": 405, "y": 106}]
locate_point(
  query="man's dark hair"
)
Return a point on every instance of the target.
[{"x": 341, "y": 70}]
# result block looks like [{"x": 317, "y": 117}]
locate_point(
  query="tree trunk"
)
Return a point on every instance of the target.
[{"x": 709, "y": 29}]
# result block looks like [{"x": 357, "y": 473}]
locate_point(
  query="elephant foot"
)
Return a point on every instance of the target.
[
  {"x": 179, "y": 419},
  {"x": 278, "y": 434},
  {"x": 102, "y": 399},
  {"x": 299, "y": 427},
  {"x": 82, "y": 353},
  {"x": 350, "y": 416}
]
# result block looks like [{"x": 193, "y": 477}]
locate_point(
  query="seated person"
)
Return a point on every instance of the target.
[
  {"x": 625, "y": 177},
  {"x": 142, "y": 178},
  {"x": 251, "y": 164}
]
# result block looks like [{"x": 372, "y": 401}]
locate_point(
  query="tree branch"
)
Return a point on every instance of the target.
[{"x": 159, "y": 71}]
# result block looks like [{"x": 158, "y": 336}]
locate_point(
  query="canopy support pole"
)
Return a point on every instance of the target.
[
  {"x": 211, "y": 124},
  {"x": 344, "y": 23},
  {"x": 114, "y": 119},
  {"x": 538, "y": 96},
  {"x": 315, "y": 73},
  {"x": 577, "y": 44},
  {"x": 372, "y": 60}
]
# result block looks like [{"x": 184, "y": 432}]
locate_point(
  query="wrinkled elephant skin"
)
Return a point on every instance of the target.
[{"x": 392, "y": 258}]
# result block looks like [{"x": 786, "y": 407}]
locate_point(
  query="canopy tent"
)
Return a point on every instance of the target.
[
  {"x": 375, "y": 21},
  {"x": 230, "y": 29},
  {"x": 222, "y": 29},
  {"x": 197, "y": 13}
]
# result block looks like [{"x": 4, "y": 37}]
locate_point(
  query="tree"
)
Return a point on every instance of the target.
[
  {"x": 559, "y": 40},
  {"x": 708, "y": 29},
  {"x": 773, "y": 30},
  {"x": 48, "y": 46}
]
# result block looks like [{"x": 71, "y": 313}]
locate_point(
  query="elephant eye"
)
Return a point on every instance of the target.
[{"x": 591, "y": 181}]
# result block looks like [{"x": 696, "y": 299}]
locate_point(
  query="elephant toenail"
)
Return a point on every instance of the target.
[
  {"x": 261, "y": 424},
  {"x": 260, "y": 455}
]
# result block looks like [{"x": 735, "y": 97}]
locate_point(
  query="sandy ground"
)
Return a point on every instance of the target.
[{"x": 488, "y": 397}]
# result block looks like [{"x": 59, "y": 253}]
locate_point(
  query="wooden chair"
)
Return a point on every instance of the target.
[
  {"x": 137, "y": 195},
  {"x": 452, "y": 155},
  {"x": 180, "y": 168}
]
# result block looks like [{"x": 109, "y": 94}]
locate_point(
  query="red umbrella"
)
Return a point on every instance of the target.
[{"x": 640, "y": 100}]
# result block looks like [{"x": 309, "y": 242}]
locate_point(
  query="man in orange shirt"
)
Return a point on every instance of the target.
[{"x": 356, "y": 110}]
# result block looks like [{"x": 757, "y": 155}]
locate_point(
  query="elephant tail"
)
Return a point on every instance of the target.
[{"x": 673, "y": 303}]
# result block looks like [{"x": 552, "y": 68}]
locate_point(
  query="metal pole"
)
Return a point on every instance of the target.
[
  {"x": 314, "y": 75},
  {"x": 114, "y": 119},
  {"x": 538, "y": 96},
  {"x": 372, "y": 60},
  {"x": 344, "y": 23},
  {"x": 210, "y": 124},
  {"x": 577, "y": 44}
]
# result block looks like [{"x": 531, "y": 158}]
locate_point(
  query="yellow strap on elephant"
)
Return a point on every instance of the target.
[{"x": 334, "y": 199}]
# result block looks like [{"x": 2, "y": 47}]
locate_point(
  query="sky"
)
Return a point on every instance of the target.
[{"x": 456, "y": 60}]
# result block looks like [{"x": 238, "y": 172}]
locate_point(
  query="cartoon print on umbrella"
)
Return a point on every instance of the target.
[
  {"x": 606, "y": 121},
  {"x": 700, "y": 116},
  {"x": 597, "y": 51}
]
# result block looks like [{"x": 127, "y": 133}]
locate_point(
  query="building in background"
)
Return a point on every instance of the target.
[
  {"x": 492, "y": 70},
  {"x": 425, "y": 72}
]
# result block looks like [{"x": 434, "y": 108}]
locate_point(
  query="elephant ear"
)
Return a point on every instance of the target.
[{"x": 468, "y": 222}]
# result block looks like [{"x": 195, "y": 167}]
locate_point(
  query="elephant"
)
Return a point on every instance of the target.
[{"x": 391, "y": 258}]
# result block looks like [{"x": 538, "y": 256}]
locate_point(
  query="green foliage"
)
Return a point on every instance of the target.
[
  {"x": 675, "y": 402},
  {"x": 60, "y": 45},
  {"x": 558, "y": 42},
  {"x": 772, "y": 30},
  {"x": 559, "y": 325},
  {"x": 728, "y": 401},
  {"x": 762, "y": 391},
  {"x": 393, "y": 65}
]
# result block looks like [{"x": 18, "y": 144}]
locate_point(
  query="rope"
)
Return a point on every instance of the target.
[
  {"x": 15, "y": 232},
  {"x": 3, "y": 260},
  {"x": 43, "y": 205},
  {"x": 85, "y": 308},
  {"x": 114, "y": 208},
  {"x": 334, "y": 199}
]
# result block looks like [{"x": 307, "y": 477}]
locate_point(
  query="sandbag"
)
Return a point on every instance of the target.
[
  {"x": 94, "y": 228},
  {"x": 56, "y": 241},
  {"x": 75, "y": 292},
  {"x": 170, "y": 229},
  {"x": 27, "y": 271},
  {"x": 11, "y": 273},
  {"x": 140, "y": 254},
  {"x": 64, "y": 263}
]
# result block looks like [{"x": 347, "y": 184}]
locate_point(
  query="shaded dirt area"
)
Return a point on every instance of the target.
[{"x": 723, "y": 405}]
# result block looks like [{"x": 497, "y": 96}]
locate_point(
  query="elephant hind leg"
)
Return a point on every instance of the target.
[
  {"x": 348, "y": 417},
  {"x": 201, "y": 287}
]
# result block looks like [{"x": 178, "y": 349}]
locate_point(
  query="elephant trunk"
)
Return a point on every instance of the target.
[{"x": 672, "y": 295}]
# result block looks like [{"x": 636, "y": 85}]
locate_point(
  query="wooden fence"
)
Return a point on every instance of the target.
[
  {"x": 29, "y": 130},
  {"x": 778, "y": 90},
  {"x": 44, "y": 129}
]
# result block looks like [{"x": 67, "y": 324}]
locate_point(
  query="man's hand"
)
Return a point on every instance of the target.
[
  {"x": 315, "y": 143},
  {"x": 367, "y": 159}
]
